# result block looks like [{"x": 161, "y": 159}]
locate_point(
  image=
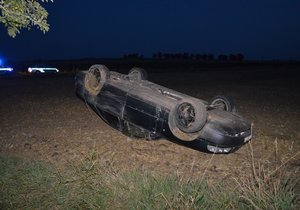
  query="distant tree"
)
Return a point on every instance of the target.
[
  {"x": 192, "y": 56},
  {"x": 159, "y": 55},
  {"x": 178, "y": 56},
  {"x": 210, "y": 57},
  {"x": 240, "y": 57},
  {"x": 232, "y": 57},
  {"x": 223, "y": 57},
  {"x": 19, "y": 14},
  {"x": 185, "y": 56},
  {"x": 133, "y": 56},
  {"x": 204, "y": 57},
  {"x": 167, "y": 56}
]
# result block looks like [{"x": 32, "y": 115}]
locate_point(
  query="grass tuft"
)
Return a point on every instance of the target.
[
  {"x": 91, "y": 185},
  {"x": 269, "y": 186}
]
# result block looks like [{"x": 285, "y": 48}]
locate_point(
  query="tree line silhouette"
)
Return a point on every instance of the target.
[{"x": 189, "y": 56}]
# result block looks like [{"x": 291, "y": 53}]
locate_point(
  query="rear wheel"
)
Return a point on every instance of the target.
[
  {"x": 223, "y": 103},
  {"x": 95, "y": 78},
  {"x": 137, "y": 73}
]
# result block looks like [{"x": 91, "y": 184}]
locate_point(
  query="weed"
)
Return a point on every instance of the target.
[
  {"x": 92, "y": 185},
  {"x": 269, "y": 186}
]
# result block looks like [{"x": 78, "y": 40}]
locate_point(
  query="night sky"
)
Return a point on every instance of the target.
[{"x": 259, "y": 29}]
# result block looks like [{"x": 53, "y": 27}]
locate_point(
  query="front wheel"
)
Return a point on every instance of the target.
[{"x": 187, "y": 118}]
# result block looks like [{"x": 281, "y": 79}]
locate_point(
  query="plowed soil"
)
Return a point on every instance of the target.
[{"x": 42, "y": 119}]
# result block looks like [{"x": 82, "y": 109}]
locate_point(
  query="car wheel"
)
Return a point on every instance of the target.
[
  {"x": 137, "y": 73},
  {"x": 223, "y": 103},
  {"x": 187, "y": 118},
  {"x": 95, "y": 78}
]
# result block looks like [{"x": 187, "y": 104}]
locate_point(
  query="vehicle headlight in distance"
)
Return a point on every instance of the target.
[{"x": 6, "y": 69}]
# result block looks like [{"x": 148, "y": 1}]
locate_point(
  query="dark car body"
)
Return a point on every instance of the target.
[{"x": 138, "y": 107}]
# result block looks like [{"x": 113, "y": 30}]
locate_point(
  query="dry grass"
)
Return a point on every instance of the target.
[
  {"x": 270, "y": 185},
  {"x": 91, "y": 185}
]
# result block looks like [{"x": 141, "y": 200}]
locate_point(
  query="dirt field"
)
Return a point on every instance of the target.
[{"x": 42, "y": 119}]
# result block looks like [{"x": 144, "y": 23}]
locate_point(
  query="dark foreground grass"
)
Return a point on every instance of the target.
[{"x": 33, "y": 185}]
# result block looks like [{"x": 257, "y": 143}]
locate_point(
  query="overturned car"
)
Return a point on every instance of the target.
[{"x": 139, "y": 108}]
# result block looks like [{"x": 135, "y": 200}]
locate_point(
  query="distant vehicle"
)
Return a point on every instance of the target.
[
  {"x": 6, "y": 70},
  {"x": 137, "y": 107},
  {"x": 41, "y": 69}
]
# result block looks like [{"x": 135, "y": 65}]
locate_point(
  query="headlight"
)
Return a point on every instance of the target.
[
  {"x": 6, "y": 69},
  {"x": 215, "y": 149}
]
